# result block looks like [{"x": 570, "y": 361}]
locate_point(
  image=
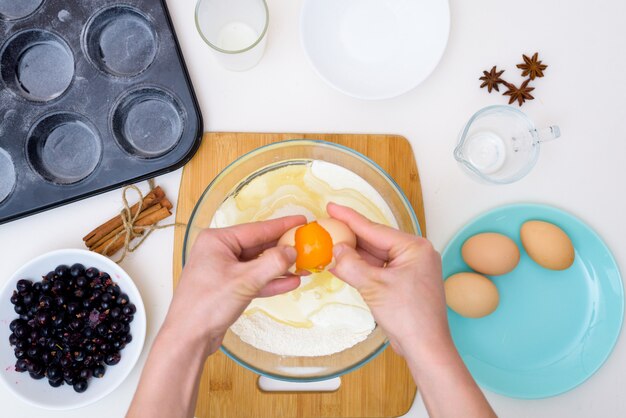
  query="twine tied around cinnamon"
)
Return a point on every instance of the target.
[{"x": 137, "y": 221}]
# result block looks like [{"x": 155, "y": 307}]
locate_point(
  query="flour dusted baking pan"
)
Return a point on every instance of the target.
[{"x": 95, "y": 95}]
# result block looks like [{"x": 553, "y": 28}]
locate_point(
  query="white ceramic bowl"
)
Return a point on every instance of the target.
[
  {"x": 39, "y": 392},
  {"x": 374, "y": 49}
]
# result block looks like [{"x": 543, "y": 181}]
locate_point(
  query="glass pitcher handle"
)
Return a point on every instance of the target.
[{"x": 547, "y": 134}]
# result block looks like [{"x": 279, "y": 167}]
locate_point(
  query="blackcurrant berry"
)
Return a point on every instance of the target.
[
  {"x": 23, "y": 285},
  {"x": 92, "y": 273},
  {"x": 77, "y": 270},
  {"x": 129, "y": 309},
  {"x": 55, "y": 383},
  {"x": 62, "y": 270},
  {"x": 113, "y": 359},
  {"x": 98, "y": 371},
  {"x": 80, "y": 386}
]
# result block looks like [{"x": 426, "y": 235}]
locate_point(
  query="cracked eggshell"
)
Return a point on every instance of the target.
[{"x": 339, "y": 232}]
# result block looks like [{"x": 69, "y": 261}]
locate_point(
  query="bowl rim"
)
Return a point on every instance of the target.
[
  {"x": 137, "y": 338},
  {"x": 295, "y": 141}
]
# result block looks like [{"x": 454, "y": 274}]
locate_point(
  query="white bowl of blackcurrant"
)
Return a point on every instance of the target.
[{"x": 72, "y": 327}]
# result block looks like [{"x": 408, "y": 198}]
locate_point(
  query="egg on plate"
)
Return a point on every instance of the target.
[
  {"x": 491, "y": 253},
  {"x": 547, "y": 244},
  {"x": 471, "y": 295}
]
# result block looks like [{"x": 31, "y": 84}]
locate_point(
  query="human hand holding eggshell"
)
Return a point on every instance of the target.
[{"x": 314, "y": 243}]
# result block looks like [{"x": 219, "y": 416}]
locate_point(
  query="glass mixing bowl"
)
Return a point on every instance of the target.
[{"x": 242, "y": 171}]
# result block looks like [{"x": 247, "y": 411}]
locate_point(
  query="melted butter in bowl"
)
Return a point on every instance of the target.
[
  {"x": 301, "y": 188},
  {"x": 324, "y": 315}
]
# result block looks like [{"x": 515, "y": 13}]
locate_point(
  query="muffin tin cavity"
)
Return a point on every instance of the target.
[
  {"x": 64, "y": 148},
  {"x": 7, "y": 175},
  {"x": 37, "y": 65},
  {"x": 148, "y": 122},
  {"x": 18, "y": 9},
  {"x": 121, "y": 41}
]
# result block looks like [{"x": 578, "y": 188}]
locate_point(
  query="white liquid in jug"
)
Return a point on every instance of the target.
[{"x": 486, "y": 151}]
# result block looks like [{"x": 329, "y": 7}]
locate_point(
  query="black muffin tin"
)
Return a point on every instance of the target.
[{"x": 95, "y": 95}]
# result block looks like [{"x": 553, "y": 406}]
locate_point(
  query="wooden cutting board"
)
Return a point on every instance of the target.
[{"x": 381, "y": 388}]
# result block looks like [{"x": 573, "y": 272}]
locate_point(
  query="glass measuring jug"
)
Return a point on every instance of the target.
[{"x": 500, "y": 144}]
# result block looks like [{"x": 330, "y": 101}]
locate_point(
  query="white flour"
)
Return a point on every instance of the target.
[{"x": 336, "y": 328}]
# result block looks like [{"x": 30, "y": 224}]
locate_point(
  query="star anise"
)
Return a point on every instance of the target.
[
  {"x": 520, "y": 94},
  {"x": 491, "y": 79},
  {"x": 532, "y": 67}
]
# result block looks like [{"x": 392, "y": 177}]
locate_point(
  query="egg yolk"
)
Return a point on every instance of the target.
[{"x": 314, "y": 246}]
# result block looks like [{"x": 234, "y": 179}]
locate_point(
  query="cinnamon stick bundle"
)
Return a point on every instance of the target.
[{"x": 110, "y": 237}]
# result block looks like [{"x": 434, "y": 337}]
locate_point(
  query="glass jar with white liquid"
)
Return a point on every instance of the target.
[
  {"x": 236, "y": 30},
  {"x": 500, "y": 144}
]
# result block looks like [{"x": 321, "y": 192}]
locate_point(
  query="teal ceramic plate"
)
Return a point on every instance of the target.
[{"x": 552, "y": 329}]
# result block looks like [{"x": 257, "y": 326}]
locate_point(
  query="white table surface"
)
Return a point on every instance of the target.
[{"x": 584, "y": 91}]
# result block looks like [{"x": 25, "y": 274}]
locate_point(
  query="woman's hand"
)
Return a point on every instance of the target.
[
  {"x": 399, "y": 277},
  {"x": 227, "y": 268}
]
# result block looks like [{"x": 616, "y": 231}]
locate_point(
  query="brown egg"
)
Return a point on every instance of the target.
[
  {"x": 490, "y": 253},
  {"x": 471, "y": 295},
  {"x": 547, "y": 244}
]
